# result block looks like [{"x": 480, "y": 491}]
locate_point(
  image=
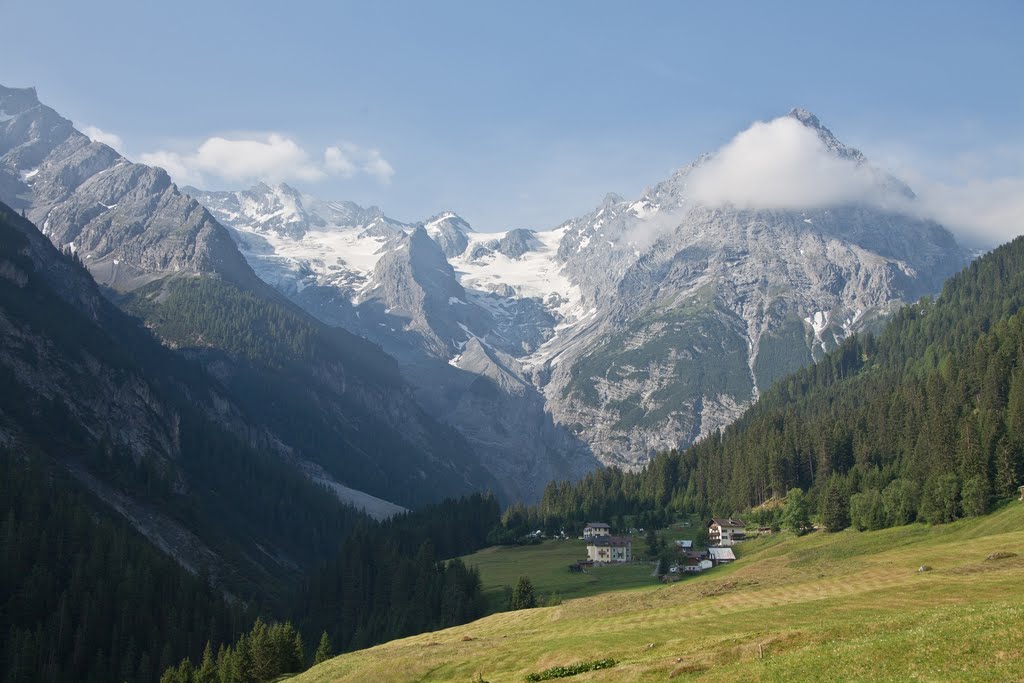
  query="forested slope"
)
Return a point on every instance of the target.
[{"x": 924, "y": 421}]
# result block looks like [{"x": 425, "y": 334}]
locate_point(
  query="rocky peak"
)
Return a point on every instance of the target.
[
  {"x": 449, "y": 230},
  {"x": 15, "y": 101},
  {"x": 517, "y": 242},
  {"x": 825, "y": 135},
  {"x": 129, "y": 223}
]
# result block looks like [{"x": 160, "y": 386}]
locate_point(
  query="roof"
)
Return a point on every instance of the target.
[
  {"x": 614, "y": 541},
  {"x": 722, "y": 554},
  {"x": 685, "y": 545},
  {"x": 597, "y": 525},
  {"x": 726, "y": 521}
]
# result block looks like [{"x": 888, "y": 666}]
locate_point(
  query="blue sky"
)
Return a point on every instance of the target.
[{"x": 525, "y": 113}]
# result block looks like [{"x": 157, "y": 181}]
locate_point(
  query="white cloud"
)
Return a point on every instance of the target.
[
  {"x": 348, "y": 159},
  {"x": 98, "y": 135},
  {"x": 337, "y": 161},
  {"x": 781, "y": 164},
  {"x": 378, "y": 167},
  {"x": 176, "y": 166},
  {"x": 980, "y": 212},
  {"x": 271, "y": 157}
]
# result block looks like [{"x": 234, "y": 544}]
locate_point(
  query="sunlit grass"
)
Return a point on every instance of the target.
[{"x": 849, "y": 606}]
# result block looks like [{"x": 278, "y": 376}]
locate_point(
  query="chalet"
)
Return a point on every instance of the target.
[
  {"x": 722, "y": 555},
  {"x": 596, "y": 529},
  {"x": 725, "y": 532},
  {"x": 610, "y": 549}
]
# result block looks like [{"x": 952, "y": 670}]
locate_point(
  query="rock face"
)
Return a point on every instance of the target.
[
  {"x": 639, "y": 326},
  {"x": 712, "y": 304},
  {"x": 127, "y": 221},
  {"x": 88, "y": 390},
  {"x": 138, "y": 234},
  {"x": 450, "y": 232}
]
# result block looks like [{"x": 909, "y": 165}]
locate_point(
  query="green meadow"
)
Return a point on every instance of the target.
[
  {"x": 547, "y": 566},
  {"x": 851, "y": 606}
]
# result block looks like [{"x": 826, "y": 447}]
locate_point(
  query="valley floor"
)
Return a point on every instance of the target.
[
  {"x": 850, "y": 606},
  {"x": 546, "y": 565}
]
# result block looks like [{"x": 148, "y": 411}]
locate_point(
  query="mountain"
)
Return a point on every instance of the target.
[
  {"x": 127, "y": 220},
  {"x": 711, "y": 304},
  {"x": 642, "y": 325},
  {"x": 922, "y": 422},
  {"x": 394, "y": 283},
  {"x": 149, "y": 435},
  {"x": 335, "y": 404}
]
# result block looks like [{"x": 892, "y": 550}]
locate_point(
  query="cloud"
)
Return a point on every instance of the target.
[
  {"x": 977, "y": 193},
  {"x": 980, "y": 212},
  {"x": 337, "y": 161},
  {"x": 378, "y": 166},
  {"x": 348, "y": 159},
  {"x": 271, "y": 157},
  {"x": 98, "y": 135},
  {"x": 781, "y": 164}
]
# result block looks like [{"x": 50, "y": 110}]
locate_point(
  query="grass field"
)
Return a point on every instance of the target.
[
  {"x": 547, "y": 566},
  {"x": 838, "y": 607}
]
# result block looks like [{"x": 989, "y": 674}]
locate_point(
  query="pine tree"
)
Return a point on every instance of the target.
[
  {"x": 522, "y": 595},
  {"x": 939, "y": 501},
  {"x": 975, "y": 495},
  {"x": 834, "y": 508},
  {"x": 323, "y": 650},
  {"x": 207, "y": 672}
]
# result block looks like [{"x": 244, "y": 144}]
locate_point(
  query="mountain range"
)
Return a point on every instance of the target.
[
  {"x": 496, "y": 360},
  {"x": 640, "y": 326},
  {"x": 328, "y": 398}
]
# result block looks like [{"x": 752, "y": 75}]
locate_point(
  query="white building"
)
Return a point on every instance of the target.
[
  {"x": 595, "y": 529},
  {"x": 610, "y": 549},
  {"x": 722, "y": 555},
  {"x": 725, "y": 532},
  {"x": 698, "y": 566}
]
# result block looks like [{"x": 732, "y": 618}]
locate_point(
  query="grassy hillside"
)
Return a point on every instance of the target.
[{"x": 845, "y": 606}]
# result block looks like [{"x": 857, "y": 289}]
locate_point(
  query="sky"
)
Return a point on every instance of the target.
[{"x": 526, "y": 114}]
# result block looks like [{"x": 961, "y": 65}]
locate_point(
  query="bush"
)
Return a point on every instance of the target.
[{"x": 571, "y": 670}]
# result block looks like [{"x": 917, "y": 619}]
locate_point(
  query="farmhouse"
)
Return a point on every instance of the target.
[
  {"x": 725, "y": 532},
  {"x": 610, "y": 549},
  {"x": 596, "y": 529},
  {"x": 695, "y": 565},
  {"x": 722, "y": 555}
]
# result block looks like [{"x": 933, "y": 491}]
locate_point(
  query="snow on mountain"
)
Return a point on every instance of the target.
[
  {"x": 646, "y": 322},
  {"x": 295, "y": 242}
]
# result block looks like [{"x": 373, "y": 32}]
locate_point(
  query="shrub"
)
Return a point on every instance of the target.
[{"x": 571, "y": 670}]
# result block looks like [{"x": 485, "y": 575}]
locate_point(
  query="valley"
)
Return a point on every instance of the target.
[
  {"x": 849, "y": 606},
  {"x": 450, "y": 342}
]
